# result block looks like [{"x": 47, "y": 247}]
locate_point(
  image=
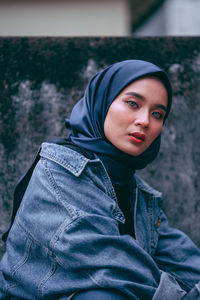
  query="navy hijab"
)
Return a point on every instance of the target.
[{"x": 87, "y": 118}]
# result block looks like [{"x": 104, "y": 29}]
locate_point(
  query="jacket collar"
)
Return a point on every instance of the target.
[
  {"x": 64, "y": 156},
  {"x": 141, "y": 184},
  {"x": 75, "y": 163}
]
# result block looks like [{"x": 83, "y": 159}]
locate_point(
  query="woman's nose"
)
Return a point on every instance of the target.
[{"x": 142, "y": 119}]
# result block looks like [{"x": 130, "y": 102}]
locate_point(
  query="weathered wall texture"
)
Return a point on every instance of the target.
[{"x": 42, "y": 78}]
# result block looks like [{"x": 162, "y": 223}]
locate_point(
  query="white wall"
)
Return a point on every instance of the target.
[
  {"x": 175, "y": 17},
  {"x": 185, "y": 17},
  {"x": 64, "y": 18}
]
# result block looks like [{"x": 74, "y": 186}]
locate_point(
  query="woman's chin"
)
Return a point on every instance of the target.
[{"x": 133, "y": 151}]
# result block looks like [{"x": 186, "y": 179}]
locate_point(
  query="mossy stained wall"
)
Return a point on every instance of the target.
[{"x": 42, "y": 78}]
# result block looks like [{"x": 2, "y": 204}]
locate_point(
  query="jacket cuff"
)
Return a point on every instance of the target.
[
  {"x": 169, "y": 289},
  {"x": 194, "y": 294}
]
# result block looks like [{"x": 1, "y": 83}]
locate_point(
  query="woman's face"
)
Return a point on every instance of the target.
[{"x": 135, "y": 118}]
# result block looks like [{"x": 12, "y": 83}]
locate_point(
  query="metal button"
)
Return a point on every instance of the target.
[{"x": 158, "y": 222}]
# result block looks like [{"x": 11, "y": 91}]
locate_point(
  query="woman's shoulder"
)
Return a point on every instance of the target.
[
  {"x": 69, "y": 156},
  {"x": 64, "y": 155},
  {"x": 144, "y": 186}
]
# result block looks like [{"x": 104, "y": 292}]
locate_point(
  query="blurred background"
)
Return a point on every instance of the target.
[{"x": 99, "y": 17}]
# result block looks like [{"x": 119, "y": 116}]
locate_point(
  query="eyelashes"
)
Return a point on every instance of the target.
[
  {"x": 132, "y": 103},
  {"x": 156, "y": 114}
]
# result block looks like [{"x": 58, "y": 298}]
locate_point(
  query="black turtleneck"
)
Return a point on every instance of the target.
[
  {"x": 126, "y": 199},
  {"x": 124, "y": 186}
]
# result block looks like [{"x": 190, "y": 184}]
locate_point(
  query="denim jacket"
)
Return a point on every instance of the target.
[{"x": 66, "y": 238}]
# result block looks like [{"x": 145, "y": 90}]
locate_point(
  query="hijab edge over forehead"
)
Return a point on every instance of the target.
[{"x": 88, "y": 115}]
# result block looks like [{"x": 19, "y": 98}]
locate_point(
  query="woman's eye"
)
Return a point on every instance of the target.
[
  {"x": 132, "y": 103},
  {"x": 157, "y": 115}
]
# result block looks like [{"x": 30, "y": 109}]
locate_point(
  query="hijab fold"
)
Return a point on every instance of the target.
[{"x": 88, "y": 115}]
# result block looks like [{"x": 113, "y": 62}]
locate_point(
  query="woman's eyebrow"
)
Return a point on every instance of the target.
[
  {"x": 162, "y": 107},
  {"x": 141, "y": 97},
  {"x": 135, "y": 95}
]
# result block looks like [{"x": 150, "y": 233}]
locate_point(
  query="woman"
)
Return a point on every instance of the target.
[{"x": 88, "y": 227}]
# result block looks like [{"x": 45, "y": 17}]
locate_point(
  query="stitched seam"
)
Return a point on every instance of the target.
[
  {"x": 24, "y": 258},
  {"x": 33, "y": 238},
  {"x": 68, "y": 227},
  {"x": 151, "y": 224},
  {"x": 117, "y": 214},
  {"x": 57, "y": 191},
  {"x": 146, "y": 188},
  {"x": 64, "y": 226},
  {"x": 65, "y": 164},
  {"x": 47, "y": 276},
  {"x": 46, "y": 249}
]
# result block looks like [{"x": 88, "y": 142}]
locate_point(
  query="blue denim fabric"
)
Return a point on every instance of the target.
[
  {"x": 98, "y": 295},
  {"x": 66, "y": 238}
]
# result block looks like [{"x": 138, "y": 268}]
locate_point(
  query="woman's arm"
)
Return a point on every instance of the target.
[
  {"x": 177, "y": 255},
  {"x": 99, "y": 294}
]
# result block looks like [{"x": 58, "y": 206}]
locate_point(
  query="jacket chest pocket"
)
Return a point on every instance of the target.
[{"x": 147, "y": 223}]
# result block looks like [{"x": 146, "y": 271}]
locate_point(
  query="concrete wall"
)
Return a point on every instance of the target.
[{"x": 42, "y": 78}]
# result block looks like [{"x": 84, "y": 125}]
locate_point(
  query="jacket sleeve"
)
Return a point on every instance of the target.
[{"x": 177, "y": 255}]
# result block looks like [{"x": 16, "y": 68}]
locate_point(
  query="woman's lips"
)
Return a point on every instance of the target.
[{"x": 137, "y": 137}]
